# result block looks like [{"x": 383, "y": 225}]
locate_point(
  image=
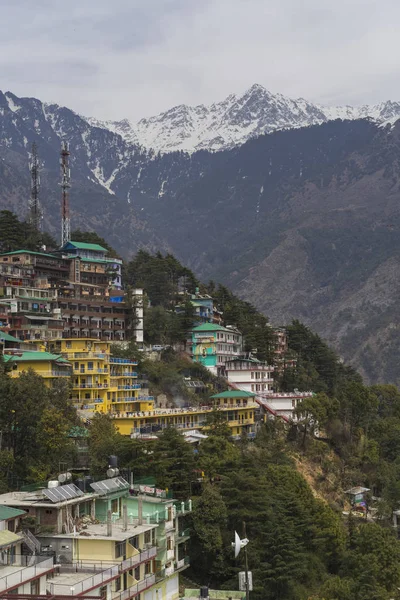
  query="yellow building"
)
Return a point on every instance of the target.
[
  {"x": 49, "y": 366},
  {"x": 101, "y": 383},
  {"x": 237, "y": 407}
]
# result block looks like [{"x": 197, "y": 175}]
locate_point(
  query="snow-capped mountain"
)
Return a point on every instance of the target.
[{"x": 236, "y": 119}]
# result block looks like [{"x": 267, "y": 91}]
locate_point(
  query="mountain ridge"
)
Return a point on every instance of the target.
[{"x": 235, "y": 119}]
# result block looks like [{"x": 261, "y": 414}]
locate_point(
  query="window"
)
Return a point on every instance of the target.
[
  {"x": 252, "y": 374},
  {"x": 134, "y": 541},
  {"x": 137, "y": 573},
  {"x": 11, "y": 525},
  {"x": 147, "y": 568},
  {"x": 114, "y": 506},
  {"x": 120, "y": 549},
  {"x": 147, "y": 536},
  {"x": 35, "y": 587},
  {"x": 118, "y": 584}
]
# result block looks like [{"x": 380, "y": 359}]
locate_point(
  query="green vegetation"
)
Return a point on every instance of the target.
[
  {"x": 34, "y": 423},
  {"x": 21, "y": 235}
]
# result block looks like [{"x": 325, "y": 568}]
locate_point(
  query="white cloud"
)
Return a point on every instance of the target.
[{"x": 137, "y": 57}]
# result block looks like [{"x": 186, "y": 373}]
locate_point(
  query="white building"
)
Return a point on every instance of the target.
[
  {"x": 282, "y": 404},
  {"x": 250, "y": 374}
]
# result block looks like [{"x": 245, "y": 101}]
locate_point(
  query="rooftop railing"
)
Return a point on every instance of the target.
[{"x": 28, "y": 567}]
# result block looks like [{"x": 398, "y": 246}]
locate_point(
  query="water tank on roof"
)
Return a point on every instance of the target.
[
  {"x": 204, "y": 591},
  {"x": 64, "y": 477},
  {"x": 112, "y": 472},
  {"x": 113, "y": 461}
]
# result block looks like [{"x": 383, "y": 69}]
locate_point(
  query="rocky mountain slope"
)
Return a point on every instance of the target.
[
  {"x": 304, "y": 223},
  {"x": 236, "y": 119}
]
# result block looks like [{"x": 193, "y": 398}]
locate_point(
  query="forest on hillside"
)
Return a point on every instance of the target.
[{"x": 288, "y": 486}]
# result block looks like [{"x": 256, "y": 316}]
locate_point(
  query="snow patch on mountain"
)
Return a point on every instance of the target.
[{"x": 235, "y": 120}]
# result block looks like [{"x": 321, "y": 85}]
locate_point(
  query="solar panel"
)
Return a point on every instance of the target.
[
  {"x": 62, "y": 493},
  {"x": 108, "y": 486}
]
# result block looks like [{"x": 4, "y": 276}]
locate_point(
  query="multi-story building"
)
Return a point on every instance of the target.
[
  {"x": 75, "y": 292},
  {"x": 95, "y": 269},
  {"x": 250, "y": 374},
  {"x": 49, "y": 366},
  {"x": 214, "y": 345},
  {"x": 101, "y": 382},
  {"x": 282, "y": 404},
  {"x": 107, "y": 540},
  {"x": 20, "y": 573},
  {"x": 237, "y": 407}
]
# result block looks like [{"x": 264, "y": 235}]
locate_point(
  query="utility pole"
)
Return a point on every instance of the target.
[
  {"x": 65, "y": 185},
  {"x": 246, "y": 564},
  {"x": 35, "y": 213}
]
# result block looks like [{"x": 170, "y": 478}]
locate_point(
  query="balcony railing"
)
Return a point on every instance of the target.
[
  {"x": 93, "y": 581},
  {"x": 90, "y": 385},
  {"x": 134, "y": 590},
  {"x": 135, "y": 386},
  {"x": 181, "y": 564},
  {"x": 26, "y": 572},
  {"x": 125, "y": 361}
]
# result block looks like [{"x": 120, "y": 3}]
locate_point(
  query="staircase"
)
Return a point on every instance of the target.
[{"x": 30, "y": 541}]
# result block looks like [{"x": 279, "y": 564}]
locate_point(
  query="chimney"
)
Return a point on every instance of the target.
[
  {"x": 109, "y": 524},
  {"x": 125, "y": 517},
  {"x": 140, "y": 510}
]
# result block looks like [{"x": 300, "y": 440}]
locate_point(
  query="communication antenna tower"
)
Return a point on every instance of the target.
[
  {"x": 65, "y": 185},
  {"x": 35, "y": 212}
]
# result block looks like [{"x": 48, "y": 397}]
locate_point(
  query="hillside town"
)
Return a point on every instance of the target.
[{"x": 62, "y": 314}]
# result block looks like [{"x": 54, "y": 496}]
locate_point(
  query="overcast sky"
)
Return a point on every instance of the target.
[{"x": 132, "y": 58}]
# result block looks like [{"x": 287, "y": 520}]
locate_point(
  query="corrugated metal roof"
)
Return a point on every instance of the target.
[
  {"x": 234, "y": 394},
  {"x": 8, "y": 537},
  {"x": 39, "y": 356},
  {"x": 7, "y": 512},
  {"x": 8, "y": 338},
  {"x": 86, "y": 246}
]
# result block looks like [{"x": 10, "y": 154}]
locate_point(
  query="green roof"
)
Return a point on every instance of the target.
[
  {"x": 212, "y": 327},
  {"x": 6, "y": 337},
  {"x": 86, "y": 246},
  {"x": 28, "y": 252},
  {"x": 9, "y": 513},
  {"x": 39, "y": 356},
  {"x": 234, "y": 394}
]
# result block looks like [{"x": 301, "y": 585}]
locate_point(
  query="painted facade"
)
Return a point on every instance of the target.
[
  {"x": 213, "y": 345},
  {"x": 49, "y": 366}
]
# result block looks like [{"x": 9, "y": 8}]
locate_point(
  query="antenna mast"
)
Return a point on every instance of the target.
[
  {"x": 65, "y": 185},
  {"x": 35, "y": 213}
]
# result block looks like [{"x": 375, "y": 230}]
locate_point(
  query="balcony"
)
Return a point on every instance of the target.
[
  {"x": 134, "y": 590},
  {"x": 124, "y": 361},
  {"x": 135, "y": 386},
  {"x": 63, "y": 588},
  {"x": 183, "y": 507},
  {"x": 16, "y": 574},
  {"x": 90, "y": 385},
  {"x": 169, "y": 525},
  {"x": 183, "y": 536},
  {"x": 170, "y": 554},
  {"x": 182, "y": 564}
]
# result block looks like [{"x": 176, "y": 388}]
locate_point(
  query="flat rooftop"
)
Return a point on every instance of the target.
[
  {"x": 98, "y": 531},
  {"x": 27, "y": 499}
]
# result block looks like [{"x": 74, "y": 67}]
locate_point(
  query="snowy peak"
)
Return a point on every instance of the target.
[{"x": 236, "y": 119}]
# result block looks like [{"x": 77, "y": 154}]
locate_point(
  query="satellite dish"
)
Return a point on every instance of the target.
[{"x": 238, "y": 544}]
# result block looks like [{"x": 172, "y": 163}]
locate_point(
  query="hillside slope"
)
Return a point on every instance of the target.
[{"x": 304, "y": 223}]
